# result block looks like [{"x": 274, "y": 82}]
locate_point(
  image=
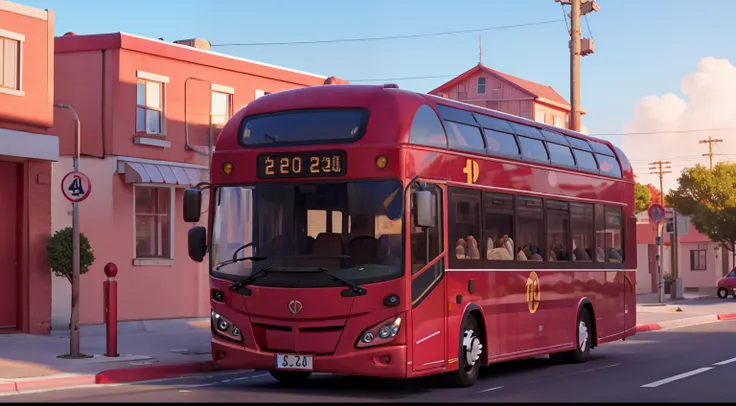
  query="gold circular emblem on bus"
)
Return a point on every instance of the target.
[{"x": 533, "y": 292}]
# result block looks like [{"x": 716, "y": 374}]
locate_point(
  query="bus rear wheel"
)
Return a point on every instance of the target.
[
  {"x": 290, "y": 376},
  {"x": 584, "y": 340},
  {"x": 469, "y": 354}
]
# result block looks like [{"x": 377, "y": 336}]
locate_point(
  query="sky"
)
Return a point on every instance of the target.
[{"x": 658, "y": 65}]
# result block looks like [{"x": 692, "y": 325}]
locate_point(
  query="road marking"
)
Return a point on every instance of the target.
[
  {"x": 677, "y": 377},
  {"x": 491, "y": 389},
  {"x": 728, "y": 361},
  {"x": 259, "y": 376}
]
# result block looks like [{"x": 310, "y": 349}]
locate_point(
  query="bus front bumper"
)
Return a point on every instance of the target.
[{"x": 381, "y": 362}]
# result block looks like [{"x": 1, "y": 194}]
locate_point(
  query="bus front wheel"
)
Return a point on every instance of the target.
[
  {"x": 290, "y": 376},
  {"x": 469, "y": 354}
]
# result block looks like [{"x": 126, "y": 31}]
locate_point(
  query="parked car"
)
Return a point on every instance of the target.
[{"x": 727, "y": 285}]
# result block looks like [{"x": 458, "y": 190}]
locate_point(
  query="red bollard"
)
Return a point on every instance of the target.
[{"x": 110, "y": 291}]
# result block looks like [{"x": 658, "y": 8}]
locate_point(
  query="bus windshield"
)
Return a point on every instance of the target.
[{"x": 351, "y": 229}]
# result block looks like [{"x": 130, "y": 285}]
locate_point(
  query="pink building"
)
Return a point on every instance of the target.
[
  {"x": 499, "y": 91},
  {"x": 26, "y": 153},
  {"x": 700, "y": 261},
  {"x": 150, "y": 110}
]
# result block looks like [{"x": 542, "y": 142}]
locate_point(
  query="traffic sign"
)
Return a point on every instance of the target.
[
  {"x": 76, "y": 186},
  {"x": 656, "y": 213}
]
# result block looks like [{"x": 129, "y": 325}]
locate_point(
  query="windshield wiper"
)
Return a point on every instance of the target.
[
  {"x": 240, "y": 287},
  {"x": 355, "y": 290}
]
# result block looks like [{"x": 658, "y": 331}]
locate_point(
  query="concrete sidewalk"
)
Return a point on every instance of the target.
[
  {"x": 692, "y": 310},
  {"x": 148, "y": 350}
]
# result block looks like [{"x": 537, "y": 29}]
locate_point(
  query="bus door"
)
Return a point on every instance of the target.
[{"x": 427, "y": 264}]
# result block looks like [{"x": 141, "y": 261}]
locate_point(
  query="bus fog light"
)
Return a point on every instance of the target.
[{"x": 225, "y": 328}]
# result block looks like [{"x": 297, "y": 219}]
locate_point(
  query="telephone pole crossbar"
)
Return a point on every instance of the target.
[
  {"x": 660, "y": 168},
  {"x": 710, "y": 141}
]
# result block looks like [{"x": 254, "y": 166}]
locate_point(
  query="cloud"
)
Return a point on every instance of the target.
[{"x": 709, "y": 103}]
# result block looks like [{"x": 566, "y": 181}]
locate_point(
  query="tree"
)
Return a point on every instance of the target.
[
  {"x": 655, "y": 194},
  {"x": 642, "y": 196},
  {"x": 708, "y": 197},
  {"x": 59, "y": 253}
]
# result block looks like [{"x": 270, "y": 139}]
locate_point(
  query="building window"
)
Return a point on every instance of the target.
[
  {"x": 697, "y": 258},
  {"x": 10, "y": 60},
  {"x": 222, "y": 108},
  {"x": 558, "y": 122},
  {"x": 153, "y": 207},
  {"x": 150, "y": 117},
  {"x": 539, "y": 116},
  {"x": 481, "y": 85}
]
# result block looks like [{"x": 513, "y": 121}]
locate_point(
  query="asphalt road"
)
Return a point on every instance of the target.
[{"x": 691, "y": 364}]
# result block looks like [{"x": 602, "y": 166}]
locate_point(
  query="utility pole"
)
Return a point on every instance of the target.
[
  {"x": 578, "y": 47},
  {"x": 659, "y": 168},
  {"x": 710, "y": 143},
  {"x": 74, "y": 351}
]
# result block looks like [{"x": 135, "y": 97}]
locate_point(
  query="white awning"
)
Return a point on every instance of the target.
[{"x": 138, "y": 170}]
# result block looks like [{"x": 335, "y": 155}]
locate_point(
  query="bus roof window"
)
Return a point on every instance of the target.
[
  {"x": 304, "y": 127},
  {"x": 426, "y": 129}
]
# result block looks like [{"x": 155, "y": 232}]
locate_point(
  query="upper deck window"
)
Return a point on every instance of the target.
[
  {"x": 578, "y": 143},
  {"x": 608, "y": 165},
  {"x": 527, "y": 131},
  {"x": 466, "y": 137},
  {"x": 500, "y": 143},
  {"x": 560, "y": 154},
  {"x": 310, "y": 126},
  {"x": 533, "y": 149},
  {"x": 426, "y": 129},
  {"x": 601, "y": 148},
  {"x": 461, "y": 116},
  {"x": 494, "y": 123},
  {"x": 554, "y": 137}
]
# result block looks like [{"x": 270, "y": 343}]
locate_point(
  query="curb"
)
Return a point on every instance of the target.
[
  {"x": 113, "y": 376},
  {"x": 690, "y": 321}
]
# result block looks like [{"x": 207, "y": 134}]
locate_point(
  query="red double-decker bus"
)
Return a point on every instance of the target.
[{"x": 368, "y": 230}]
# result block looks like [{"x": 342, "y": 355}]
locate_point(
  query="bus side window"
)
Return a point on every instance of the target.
[
  {"x": 419, "y": 255},
  {"x": 426, "y": 129}
]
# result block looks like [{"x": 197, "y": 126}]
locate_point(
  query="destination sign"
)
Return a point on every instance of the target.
[{"x": 301, "y": 165}]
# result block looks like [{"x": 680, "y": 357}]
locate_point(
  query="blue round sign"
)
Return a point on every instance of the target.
[{"x": 656, "y": 213}]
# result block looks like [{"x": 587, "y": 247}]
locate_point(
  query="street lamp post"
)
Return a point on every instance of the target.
[{"x": 74, "y": 322}]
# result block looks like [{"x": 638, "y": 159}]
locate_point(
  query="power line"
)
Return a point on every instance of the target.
[
  {"x": 402, "y": 78},
  {"x": 393, "y": 37},
  {"x": 697, "y": 130}
]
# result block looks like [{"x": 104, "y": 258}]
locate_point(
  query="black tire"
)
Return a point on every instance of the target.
[
  {"x": 581, "y": 353},
  {"x": 722, "y": 293},
  {"x": 467, "y": 373},
  {"x": 290, "y": 376}
]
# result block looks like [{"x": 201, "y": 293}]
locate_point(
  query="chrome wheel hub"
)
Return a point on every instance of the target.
[{"x": 582, "y": 336}]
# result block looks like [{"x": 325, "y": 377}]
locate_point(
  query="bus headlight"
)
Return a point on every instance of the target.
[
  {"x": 224, "y": 328},
  {"x": 379, "y": 334}
]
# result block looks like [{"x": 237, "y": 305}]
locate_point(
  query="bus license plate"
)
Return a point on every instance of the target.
[{"x": 293, "y": 361}]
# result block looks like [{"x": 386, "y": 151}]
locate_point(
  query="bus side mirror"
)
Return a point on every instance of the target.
[
  {"x": 197, "y": 243},
  {"x": 426, "y": 214},
  {"x": 192, "y": 205}
]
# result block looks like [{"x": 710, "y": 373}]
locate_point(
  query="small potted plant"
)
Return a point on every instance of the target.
[{"x": 668, "y": 279}]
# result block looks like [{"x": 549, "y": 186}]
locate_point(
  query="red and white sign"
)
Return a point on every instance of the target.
[
  {"x": 656, "y": 213},
  {"x": 76, "y": 186}
]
